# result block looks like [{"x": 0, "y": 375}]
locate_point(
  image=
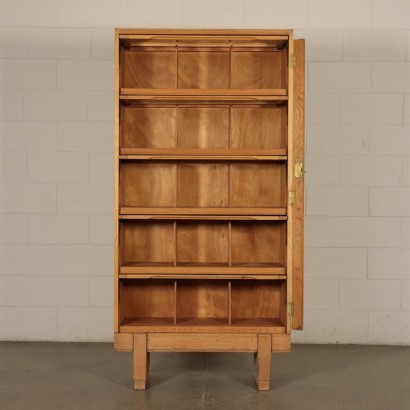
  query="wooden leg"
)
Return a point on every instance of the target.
[
  {"x": 263, "y": 361},
  {"x": 141, "y": 361}
]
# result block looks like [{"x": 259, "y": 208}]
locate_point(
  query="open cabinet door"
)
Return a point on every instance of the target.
[{"x": 298, "y": 158}]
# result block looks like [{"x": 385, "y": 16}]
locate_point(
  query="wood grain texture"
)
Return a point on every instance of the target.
[
  {"x": 123, "y": 342},
  {"x": 141, "y": 361},
  {"x": 188, "y": 342},
  {"x": 263, "y": 359},
  {"x": 298, "y": 211}
]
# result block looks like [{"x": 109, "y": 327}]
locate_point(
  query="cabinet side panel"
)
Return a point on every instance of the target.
[
  {"x": 116, "y": 173},
  {"x": 298, "y": 158}
]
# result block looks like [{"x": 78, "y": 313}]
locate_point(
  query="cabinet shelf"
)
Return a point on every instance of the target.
[
  {"x": 271, "y": 214},
  {"x": 183, "y": 94}
]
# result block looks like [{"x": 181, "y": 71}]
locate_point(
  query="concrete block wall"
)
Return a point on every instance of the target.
[{"x": 56, "y": 139}]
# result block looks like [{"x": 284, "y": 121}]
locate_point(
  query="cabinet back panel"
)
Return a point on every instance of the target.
[
  {"x": 147, "y": 184},
  {"x": 147, "y": 242},
  {"x": 202, "y": 242},
  {"x": 257, "y": 69},
  {"x": 252, "y": 299},
  {"x": 202, "y": 185},
  {"x": 147, "y": 298},
  {"x": 258, "y": 185},
  {"x": 148, "y": 69},
  {"x": 147, "y": 127},
  {"x": 203, "y": 69},
  {"x": 202, "y": 299},
  {"x": 203, "y": 127},
  {"x": 259, "y": 127},
  {"x": 258, "y": 243}
]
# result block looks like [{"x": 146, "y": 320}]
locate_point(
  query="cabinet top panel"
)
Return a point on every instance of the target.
[{"x": 181, "y": 32}]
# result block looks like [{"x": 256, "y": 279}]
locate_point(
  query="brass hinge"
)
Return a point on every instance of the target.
[
  {"x": 291, "y": 308},
  {"x": 292, "y": 61},
  {"x": 298, "y": 170},
  {"x": 292, "y": 197}
]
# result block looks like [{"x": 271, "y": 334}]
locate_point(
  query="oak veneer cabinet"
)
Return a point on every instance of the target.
[{"x": 209, "y": 128}]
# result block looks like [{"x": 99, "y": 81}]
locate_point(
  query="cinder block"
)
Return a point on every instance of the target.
[
  {"x": 13, "y": 228},
  {"x": 213, "y": 14},
  {"x": 389, "y": 327},
  {"x": 79, "y": 324},
  {"x": 274, "y": 13},
  {"x": 102, "y": 42},
  {"x": 378, "y": 170},
  {"x": 320, "y": 232},
  {"x": 101, "y": 291},
  {"x": 13, "y": 42},
  {"x": 84, "y": 198},
  {"x": 339, "y": 13},
  {"x": 28, "y": 259},
  {"x": 321, "y": 293},
  {"x": 11, "y": 104},
  {"x": 391, "y": 77},
  {"x": 140, "y": 13},
  {"x": 58, "y": 229},
  {"x": 21, "y": 13},
  {"x": 340, "y": 77},
  {"x": 371, "y": 108},
  {"x": 331, "y": 201},
  {"x": 322, "y": 45},
  {"x": 406, "y": 118},
  {"x": 90, "y": 13},
  {"x": 392, "y": 14},
  {"x": 28, "y": 197},
  {"x": 406, "y": 170},
  {"x": 406, "y": 295},
  {"x": 337, "y": 139},
  {"x": 405, "y": 230},
  {"x": 48, "y": 290},
  {"x": 389, "y": 140},
  {"x": 322, "y": 170},
  {"x": 390, "y": 201},
  {"x": 26, "y": 74},
  {"x": 55, "y": 105},
  {"x": 60, "y": 43},
  {"x": 322, "y": 108},
  {"x": 85, "y": 75},
  {"x": 85, "y": 136},
  {"x": 28, "y": 323},
  {"x": 341, "y": 263},
  {"x": 102, "y": 167},
  {"x": 12, "y": 166},
  {"x": 369, "y": 232},
  {"x": 370, "y": 294},
  {"x": 59, "y": 167},
  {"x": 374, "y": 45},
  {"x": 389, "y": 263},
  {"x": 85, "y": 260},
  {"x": 100, "y": 106},
  {"x": 101, "y": 229},
  {"x": 334, "y": 326},
  {"x": 27, "y": 136}
]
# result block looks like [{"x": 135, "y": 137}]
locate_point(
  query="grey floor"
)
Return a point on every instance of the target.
[{"x": 92, "y": 376}]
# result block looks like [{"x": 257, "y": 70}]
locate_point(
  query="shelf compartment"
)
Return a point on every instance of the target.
[
  {"x": 147, "y": 302},
  {"x": 199, "y": 64},
  {"x": 258, "y": 244},
  {"x": 147, "y": 243},
  {"x": 193, "y": 184},
  {"x": 202, "y": 302},
  {"x": 202, "y": 244},
  {"x": 258, "y": 303},
  {"x": 245, "y": 129}
]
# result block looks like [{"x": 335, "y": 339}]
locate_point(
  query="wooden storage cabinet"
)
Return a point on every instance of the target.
[{"x": 209, "y": 128}]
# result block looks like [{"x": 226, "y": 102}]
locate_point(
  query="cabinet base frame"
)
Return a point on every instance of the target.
[{"x": 143, "y": 343}]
